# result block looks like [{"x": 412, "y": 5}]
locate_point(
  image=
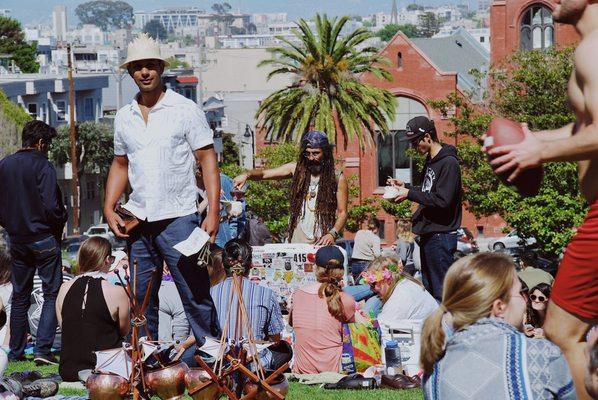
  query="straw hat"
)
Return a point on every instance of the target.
[{"x": 142, "y": 48}]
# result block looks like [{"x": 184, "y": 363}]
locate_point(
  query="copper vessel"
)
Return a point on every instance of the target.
[
  {"x": 168, "y": 383},
  {"x": 197, "y": 377},
  {"x": 103, "y": 386},
  {"x": 280, "y": 384}
]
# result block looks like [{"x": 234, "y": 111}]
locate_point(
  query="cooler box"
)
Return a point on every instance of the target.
[{"x": 408, "y": 334}]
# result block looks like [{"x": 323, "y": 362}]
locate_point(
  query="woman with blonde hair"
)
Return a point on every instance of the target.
[
  {"x": 405, "y": 245},
  {"x": 318, "y": 312},
  {"x": 92, "y": 312},
  {"x": 473, "y": 345},
  {"x": 402, "y": 296}
]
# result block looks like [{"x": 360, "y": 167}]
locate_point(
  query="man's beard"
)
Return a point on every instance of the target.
[{"x": 314, "y": 167}]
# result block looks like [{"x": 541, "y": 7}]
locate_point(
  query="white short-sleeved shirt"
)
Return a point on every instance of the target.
[
  {"x": 408, "y": 301},
  {"x": 161, "y": 156}
]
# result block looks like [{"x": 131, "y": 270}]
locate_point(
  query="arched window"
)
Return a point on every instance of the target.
[
  {"x": 400, "y": 60},
  {"x": 537, "y": 28},
  {"x": 393, "y": 159}
]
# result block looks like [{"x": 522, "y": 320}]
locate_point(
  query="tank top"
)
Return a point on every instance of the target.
[{"x": 85, "y": 330}]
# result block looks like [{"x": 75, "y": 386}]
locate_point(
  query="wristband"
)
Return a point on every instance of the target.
[{"x": 334, "y": 233}]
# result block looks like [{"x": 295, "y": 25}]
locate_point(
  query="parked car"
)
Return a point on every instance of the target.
[
  {"x": 102, "y": 230},
  {"x": 69, "y": 254},
  {"x": 67, "y": 241},
  {"x": 510, "y": 241},
  {"x": 466, "y": 243}
]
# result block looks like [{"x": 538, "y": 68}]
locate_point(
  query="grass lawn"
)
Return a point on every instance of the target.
[{"x": 296, "y": 392}]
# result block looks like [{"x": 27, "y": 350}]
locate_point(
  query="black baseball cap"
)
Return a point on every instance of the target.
[
  {"x": 418, "y": 127},
  {"x": 327, "y": 253}
]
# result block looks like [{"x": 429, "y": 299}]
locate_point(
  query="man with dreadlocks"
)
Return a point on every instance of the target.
[{"x": 318, "y": 194}]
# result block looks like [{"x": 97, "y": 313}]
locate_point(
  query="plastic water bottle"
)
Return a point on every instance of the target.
[{"x": 392, "y": 355}]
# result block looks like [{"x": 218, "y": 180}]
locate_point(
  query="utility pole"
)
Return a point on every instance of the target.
[
  {"x": 202, "y": 60},
  {"x": 73, "y": 140}
]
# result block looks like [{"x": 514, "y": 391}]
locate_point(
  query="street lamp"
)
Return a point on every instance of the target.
[{"x": 250, "y": 134}]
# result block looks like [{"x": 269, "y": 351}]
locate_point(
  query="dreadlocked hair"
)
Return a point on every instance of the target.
[
  {"x": 330, "y": 277},
  {"x": 325, "y": 213}
]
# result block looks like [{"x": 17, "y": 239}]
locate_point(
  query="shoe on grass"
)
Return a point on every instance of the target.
[
  {"x": 40, "y": 388},
  {"x": 46, "y": 359}
]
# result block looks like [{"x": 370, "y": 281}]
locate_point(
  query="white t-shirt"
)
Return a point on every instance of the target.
[
  {"x": 366, "y": 246},
  {"x": 160, "y": 155},
  {"x": 408, "y": 301}
]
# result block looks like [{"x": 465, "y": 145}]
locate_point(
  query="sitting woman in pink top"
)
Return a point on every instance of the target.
[{"x": 318, "y": 312}]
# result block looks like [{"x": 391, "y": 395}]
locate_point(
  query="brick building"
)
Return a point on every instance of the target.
[
  {"x": 525, "y": 24},
  {"x": 430, "y": 69},
  {"x": 422, "y": 70}
]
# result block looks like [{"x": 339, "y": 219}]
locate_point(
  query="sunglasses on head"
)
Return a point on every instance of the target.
[{"x": 540, "y": 298}]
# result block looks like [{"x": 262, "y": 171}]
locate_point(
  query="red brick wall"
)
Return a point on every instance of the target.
[
  {"x": 505, "y": 17},
  {"x": 421, "y": 80}
]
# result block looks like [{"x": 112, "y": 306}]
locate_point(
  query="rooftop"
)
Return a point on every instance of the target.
[{"x": 460, "y": 53}]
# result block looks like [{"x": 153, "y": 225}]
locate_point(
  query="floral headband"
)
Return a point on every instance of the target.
[{"x": 371, "y": 277}]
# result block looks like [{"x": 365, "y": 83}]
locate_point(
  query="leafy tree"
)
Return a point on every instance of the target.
[
  {"x": 270, "y": 199},
  {"x": 532, "y": 90},
  {"x": 155, "y": 30},
  {"x": 223, "y": 12},
  {"x": 361, "y": 212},
  {"x": 94, "y": 149},
  {"x": 429, "y": 24},
  {"x": 221, "y": 8},
  {"x": 12, "y": 119},
  {"x": 12, "y": 41},
  {"x": 390, "y": 30},
  {"x": 415, "y": 7},
  {"x": 189, "y": 40},
  {"x": 107, "y": 14},
  {"x": 368, "y": 24},
  {"x": 174, "y": 63},
  {"x": 230, "y": 150},
  {"x": 327, "y": 93}
]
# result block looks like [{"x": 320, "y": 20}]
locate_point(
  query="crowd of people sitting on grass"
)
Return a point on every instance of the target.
[{"x": 488, "y": 326}]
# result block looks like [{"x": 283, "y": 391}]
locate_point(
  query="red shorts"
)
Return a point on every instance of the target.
[{"x": 576, "y": 286}]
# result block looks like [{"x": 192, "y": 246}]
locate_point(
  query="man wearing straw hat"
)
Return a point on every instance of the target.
[{"x": 157, "y": 139}]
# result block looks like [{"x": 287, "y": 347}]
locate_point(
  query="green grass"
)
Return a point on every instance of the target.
[{"x": 297, "y": 391}]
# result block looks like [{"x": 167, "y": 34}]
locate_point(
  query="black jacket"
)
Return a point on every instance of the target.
[
  {"x": 439, "y": 197},
  {"x": 31, "y": 206}
]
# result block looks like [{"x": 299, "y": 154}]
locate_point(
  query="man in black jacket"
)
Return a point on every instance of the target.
[
  {"x": 439, "y": 213},
  {"x": 32, "y": 212}
]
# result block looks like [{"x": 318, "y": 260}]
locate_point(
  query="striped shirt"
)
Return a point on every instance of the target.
[{"x": 262, "y": 308}]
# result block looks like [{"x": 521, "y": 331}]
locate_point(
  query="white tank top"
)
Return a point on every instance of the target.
[{"x": 308, "y": 212}]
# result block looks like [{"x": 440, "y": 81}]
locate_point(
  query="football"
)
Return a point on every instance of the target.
[{"x": 504, "y": 132}]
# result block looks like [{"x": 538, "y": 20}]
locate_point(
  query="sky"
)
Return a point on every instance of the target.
[{"x": 35, "y": 12}]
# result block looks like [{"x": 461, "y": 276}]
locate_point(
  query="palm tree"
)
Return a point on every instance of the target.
[{"x": 327, "y": 93}]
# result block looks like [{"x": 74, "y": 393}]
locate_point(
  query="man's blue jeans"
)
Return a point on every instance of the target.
[
  {"x": 357, "y": 267},
  {"x": 45, "y": 256},
  {"x": 150, "y": 245},
  {"x": 437, "y": 255}
]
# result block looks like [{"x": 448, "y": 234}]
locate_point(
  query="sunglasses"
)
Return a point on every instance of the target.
[{"x": 540, "y": 299}]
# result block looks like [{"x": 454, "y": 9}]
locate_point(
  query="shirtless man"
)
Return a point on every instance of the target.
[
  {"x": 318, "y": 195},
  {"x": 573, "y": 307}
]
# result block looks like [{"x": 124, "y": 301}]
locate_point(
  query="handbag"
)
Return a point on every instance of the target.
[
  {"x": 130, "y": 220},
  {"x": 361, "y": 346}
]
